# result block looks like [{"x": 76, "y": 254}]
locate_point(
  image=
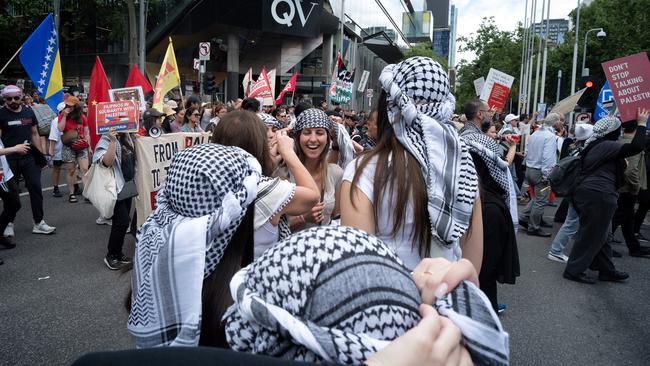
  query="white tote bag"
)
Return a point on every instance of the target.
[{"x": 101, "y": 189}]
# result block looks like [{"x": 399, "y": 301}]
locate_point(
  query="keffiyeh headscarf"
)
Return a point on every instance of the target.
[
  {"x": 270, "y": 121},
  {"x": 490, "y": 152},
  {"x": 339, "y": 294},
  {"x": 603, "y": 127},
  {"x": 205, "y": 197},
  {"x": 419, "y": 107},
  {"x": 312, "y": 118}
]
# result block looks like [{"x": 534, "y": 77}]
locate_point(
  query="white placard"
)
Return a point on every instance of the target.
[
  {"x": 495, "y": 76},
  {"x": 363, "y": 81},
  {"x": 478, "y": 85}
]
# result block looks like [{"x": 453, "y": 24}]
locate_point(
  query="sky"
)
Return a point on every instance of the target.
[{"x": 506, "y": 14}]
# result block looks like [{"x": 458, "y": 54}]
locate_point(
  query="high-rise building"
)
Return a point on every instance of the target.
[
  {"x": 557, "y": 30},
  {"x": 453, "y": 21},
  {"x": 442, "y": 29},
  {"x": 440, "y": 10}
]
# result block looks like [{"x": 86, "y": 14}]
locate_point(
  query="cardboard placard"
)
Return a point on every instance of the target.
[
  {"x": 629, "y": 79},
  {"x": 133, "y": 93},
  {"x": 496, "y": 89},
  {"x": 123, "y": 116},
  {"x": 478, "y": 85}
]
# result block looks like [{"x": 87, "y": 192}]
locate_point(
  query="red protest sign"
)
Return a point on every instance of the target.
[
  {"x": 496, "y": 89},
  {"x": 498, "y": 96},
  {"x": 123, "y": 115},
  {"x": 629, "y": 79}
]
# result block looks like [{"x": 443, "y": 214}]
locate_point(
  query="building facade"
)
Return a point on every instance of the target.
[{"x": 557, "y": 30}]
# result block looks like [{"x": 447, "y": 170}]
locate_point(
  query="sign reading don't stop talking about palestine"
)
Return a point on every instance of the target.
[{"x": 629, "y": 80}]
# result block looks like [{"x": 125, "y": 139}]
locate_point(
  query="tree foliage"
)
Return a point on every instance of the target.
[{"x": 425, "y": 49}]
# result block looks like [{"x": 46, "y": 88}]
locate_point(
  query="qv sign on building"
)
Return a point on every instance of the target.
[
  {"x": 295, "y": 17},
  {"x": 605, "y": 102}
]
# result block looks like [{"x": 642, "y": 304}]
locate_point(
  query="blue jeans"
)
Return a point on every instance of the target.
[{"x": 568, "y": 229}]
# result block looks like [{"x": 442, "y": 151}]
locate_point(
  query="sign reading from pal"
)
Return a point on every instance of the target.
[
  {"x": 123, "y": 115},
  {"x": 629, "y": 79},
  {"x": 496, "y": 89}
]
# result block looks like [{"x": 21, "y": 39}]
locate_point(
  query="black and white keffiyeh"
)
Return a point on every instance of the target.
[
  {"x": 346, "y": 149},
  {"x": 273, "y": 195},
  {"x": 312, "y": 118},
  {"x": 339, "y": 294},
  {"x": 490, "y": 152},
  {"x": 419, "y": 107},
  {"x": 205, "y": 197},
  {"x": 603, "y": 127},
  {"x": 270, "y": 121}
]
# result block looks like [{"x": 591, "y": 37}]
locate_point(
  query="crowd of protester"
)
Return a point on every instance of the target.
[{"x": 316, "y": 233}]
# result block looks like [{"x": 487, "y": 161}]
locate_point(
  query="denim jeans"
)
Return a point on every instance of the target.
[{"x": 568, "y": 229}]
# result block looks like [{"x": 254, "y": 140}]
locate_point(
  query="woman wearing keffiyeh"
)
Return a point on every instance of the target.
[{"x": 417, "y": 189}]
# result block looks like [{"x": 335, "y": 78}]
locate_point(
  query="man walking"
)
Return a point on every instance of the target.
[
  {"x": 541, "y": 157},
  {"x": 18, "y": 126}
]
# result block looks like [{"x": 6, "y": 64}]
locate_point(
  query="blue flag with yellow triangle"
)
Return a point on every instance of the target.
[{"x": 42, "y": 62}]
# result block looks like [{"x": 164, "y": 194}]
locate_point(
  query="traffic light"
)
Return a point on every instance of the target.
[
  {"x": 209, "y": 84},
  {"x": 592, "y": 85}
]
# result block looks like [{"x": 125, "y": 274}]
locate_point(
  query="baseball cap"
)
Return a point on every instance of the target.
[
  {"x": 509, "y": 118},
  {"x": 71, "y": 101},
  {"x": 172, "y": 104},
  {"x": 151, "y": 112},
  {"x": 168, "y": 110}
]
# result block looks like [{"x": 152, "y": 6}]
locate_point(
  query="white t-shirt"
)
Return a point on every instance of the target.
[
  {"x": 402, "y": 242},
  {"x": 332, "y": 183},
  {"x": 5, "y": 170},
  {"x": 55, "y": 135}
]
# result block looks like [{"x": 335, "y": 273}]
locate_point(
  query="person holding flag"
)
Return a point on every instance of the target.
[{"x": 168, "y": 78}]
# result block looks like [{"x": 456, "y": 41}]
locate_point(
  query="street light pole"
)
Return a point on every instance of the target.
[
  {"x": 521, "y": 71},
  {"x": 575, "y": 52},
  {"x": 548, "y": 25},
  {"x": 143, "y": 47},
  {"x": 584, "y": 50}
]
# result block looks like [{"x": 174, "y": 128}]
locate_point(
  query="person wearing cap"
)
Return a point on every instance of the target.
[
  {"x": 168, "y": 113},
  {"x": 569, "y": 228},
  {"x": 18, "y": 126},
  {"x": 70, "y": 119},
  {"x": 150, "y": 119}
]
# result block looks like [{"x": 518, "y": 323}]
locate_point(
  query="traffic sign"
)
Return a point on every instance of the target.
[
  {"x": 204, "y": 51},
  {"x": 369, "y": 93},
  {"x": 197, "y": 62},
  {"x": 583, "y": 117}
]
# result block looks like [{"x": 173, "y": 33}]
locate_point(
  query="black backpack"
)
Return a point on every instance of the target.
[{"x": 567, "y": 174}]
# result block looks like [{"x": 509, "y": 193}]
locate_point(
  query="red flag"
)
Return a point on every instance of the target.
[
  {"x": 290, "y": 87},
  {"x": 137, "y": 79},
  {"x": 98, "y": 92},
  {"x": 262, "y": 87}
]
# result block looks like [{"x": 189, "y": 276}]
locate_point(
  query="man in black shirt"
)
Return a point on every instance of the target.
[{"x": 18, "y": 125}]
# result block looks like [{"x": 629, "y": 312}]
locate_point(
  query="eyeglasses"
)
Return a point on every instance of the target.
[{"x": 13, "y": 98}]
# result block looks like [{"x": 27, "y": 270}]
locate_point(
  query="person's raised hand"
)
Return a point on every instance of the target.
[
  {"x": 436, "y": 277},
  {"x": 112, "y": 133},
  {"x": 284, "y": 142},
  {"x": 642, "y": 116},
  {"x": 434, "y": 341}
]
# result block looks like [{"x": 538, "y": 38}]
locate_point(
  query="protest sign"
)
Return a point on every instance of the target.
[
  {"x": 122, "y": 115},
  {"x": 496, "y": 89},
  {"x": 605, "y": 102},
  {"x": 629, "y": 79},
  {"x": 478, "y": 85},
  {"x": 567, "y": 104},
  {"x": 133, "y": 93},
  {"x": 154, "y": 155}
]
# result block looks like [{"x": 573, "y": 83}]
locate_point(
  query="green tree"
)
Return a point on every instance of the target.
[{"x": 425, "y": 49}]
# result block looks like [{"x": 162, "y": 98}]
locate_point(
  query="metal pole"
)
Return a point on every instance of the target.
[
  {"x": 531, "y": 55},
  {"x": 575, "y": 52},
  {"x": 584, "y": 50},
  {"x": 57, "y": 13},
  {"x": 539, "y": 56},
  {"x": 521, "y": 70},
  {"x": 142, "y": 51},
  {"x": 548, "y": 25},
  {"x": 559, "y": 82},
  {"x": 342, "y": 28}
]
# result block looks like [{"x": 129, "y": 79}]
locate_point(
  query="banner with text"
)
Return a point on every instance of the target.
[
  {"x": 629, "y": 79},
  {"x": 496, "y": 89},
  {"x": 122, "y": 115},
  {"x": 154, "y": 155}
]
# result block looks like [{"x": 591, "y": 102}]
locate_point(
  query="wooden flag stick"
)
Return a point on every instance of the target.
[{"x": 11, "y": 59}]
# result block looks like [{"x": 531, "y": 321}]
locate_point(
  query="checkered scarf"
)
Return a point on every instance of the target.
[
  {"x": 312, "y": 118},
  {"x": 419, "y": 107},
  {"x": 603, "y": 127},
  {"x": 339, "y": 294},
  {"x": 270, "y": 121},
  {"x": 490, "y": 152},
  {"x": 205, "y": 197}
]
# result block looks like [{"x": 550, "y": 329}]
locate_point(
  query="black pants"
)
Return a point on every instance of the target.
[
  {"x": 11, "y": 202},
  {"x": 591, "y": 249},
  {"x": 624, "y": 217},
  {"x": 25, "y": 166},
  {"x": 494, "y": 234},
  {"x": 562, "y": 211},
  {"x": 644, "y": 207},
  {"x": 121, "y": 221}
]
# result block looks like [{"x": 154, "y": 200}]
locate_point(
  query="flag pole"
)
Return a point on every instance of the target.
[
  {"x": 292, "y": 94},
  {"x": 180, "y": 85},
  {"x": 11, "y": 59}
]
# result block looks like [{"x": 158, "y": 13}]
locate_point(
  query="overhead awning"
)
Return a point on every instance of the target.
[{"x": 386, "y": 51}]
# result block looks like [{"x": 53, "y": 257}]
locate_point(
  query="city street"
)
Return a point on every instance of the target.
[{"x": 60, "y": 301}]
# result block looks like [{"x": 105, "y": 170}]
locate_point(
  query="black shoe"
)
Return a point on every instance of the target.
[
  {"x": 545, "y": 224},
  {"x": 640, "y": 237},
  {"x": 641, "y": 252},
  {"x": 539, "y": 233},
  {"x": 523, "y": 224},
  {"x": 582, "y": 278},
  {"x": 56, "y": 192},
  {"x": 616, "y": 254},
  {"x": 77, "y": 190},
  {"x": 6, "y": 242},
  {"x": 124, "y": 259},
  {"x": 615, "y": 276},
  {"x": 551, "y": 204}
]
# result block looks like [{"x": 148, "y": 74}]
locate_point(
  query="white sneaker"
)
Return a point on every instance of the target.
[
  {"x": 9, "y": 231},
  {"x": 43, "y": 228},
  {"x": 102, "y": 221},
  {"x": 562, "y": 258}
]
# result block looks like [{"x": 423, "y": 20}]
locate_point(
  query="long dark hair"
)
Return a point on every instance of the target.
[
  {"x": 322, "y": 158},
  {"x": 398, "y": 174},
  {"x": 246, "y": 130},
  {"x": 188, "y": 113},
  {"x": 76, "y": 114}
]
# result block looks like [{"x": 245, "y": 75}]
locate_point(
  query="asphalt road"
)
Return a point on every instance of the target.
[{"x": 59, "y": 301}]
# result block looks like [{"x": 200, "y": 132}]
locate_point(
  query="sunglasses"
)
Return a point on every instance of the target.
[{"x": 13, "y": 98}]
